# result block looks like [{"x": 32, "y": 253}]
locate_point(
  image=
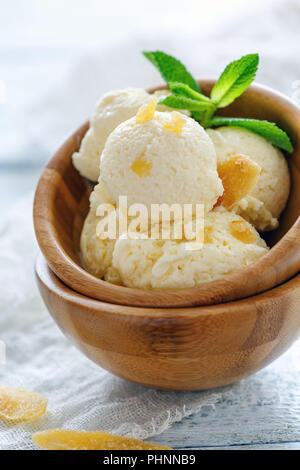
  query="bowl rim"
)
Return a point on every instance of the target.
[
  {"x": 265, "y": 273},
  {"x": 54, "y": 285}
]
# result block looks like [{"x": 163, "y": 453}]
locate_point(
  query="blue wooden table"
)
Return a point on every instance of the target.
[{"x": 264, "y": 413}]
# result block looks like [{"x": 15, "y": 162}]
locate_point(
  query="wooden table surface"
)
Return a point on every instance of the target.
[{"x": 265, "y": 415}]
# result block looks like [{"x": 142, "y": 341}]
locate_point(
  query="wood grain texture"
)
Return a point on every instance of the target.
[
  {"x": 61, "y": 205},
  {"x": 179, "y": 349}
]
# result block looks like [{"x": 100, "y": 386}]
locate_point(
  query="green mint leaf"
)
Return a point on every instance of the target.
[
  {"x": 150, "y": 56},
  {"x": 266, "y": 129},
  {"x": 179, "y": 102},
  {"x": 182, "y": 90},
  {"x": 171, "y": 69},
  {"x": 235, "y": 79},
  {"x": 199, "y": 115}
]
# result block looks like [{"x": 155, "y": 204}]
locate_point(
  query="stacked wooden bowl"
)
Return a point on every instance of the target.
[{"x": 186, "y": 339}]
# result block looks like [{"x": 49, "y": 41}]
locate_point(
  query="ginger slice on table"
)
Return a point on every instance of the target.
[
  {"x": 20, "y": 405},
  {"x": 239, "y": 175},
  {"x": 61, "y": 439}
]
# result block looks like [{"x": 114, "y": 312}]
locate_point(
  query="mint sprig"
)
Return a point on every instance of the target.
[
  {"x": 182, "y": 102},
  {"x": 195, "y": 102},
  {"x": 171, "y": 69},
  {"x": 266, "y": 129},
  {"x": 235, "y": 79},
  {"x": 183, "y": 90}
]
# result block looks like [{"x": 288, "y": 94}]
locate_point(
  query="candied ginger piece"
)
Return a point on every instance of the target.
[
  {"x": 20, "y": 405},
  {"x": 219, "y": 201},
  {"x": 239, "y": 175},
  {"x": 241, "y": 230},
  {"x": 175, "y": 124},
  {"x": 146, "y": 111},
  {"x": 61, "y": 439},
  {"x": 208, "y": 234},
  {"x": 141, "y": 167}
]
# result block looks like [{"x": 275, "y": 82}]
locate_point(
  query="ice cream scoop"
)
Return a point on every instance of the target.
[
  {"x": 161, "y": 157},
  {"x": 96, "y": 252},
  {"x": 265, "y": 202},
  {"x": 230, "y": 243},
  {"x": 112, "y": 109}
]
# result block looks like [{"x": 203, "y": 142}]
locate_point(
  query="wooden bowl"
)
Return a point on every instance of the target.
[
  {"x": 61, "y": 205},
  {"x": 177, "y": 349}
]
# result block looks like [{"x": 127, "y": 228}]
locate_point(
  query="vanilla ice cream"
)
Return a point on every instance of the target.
[
  {"x": 97, "y": 253},
  {"x": 163, "y": 157},
  {"x": 231, "y": 243},
  {"x": 159, "y": 156},
  {"x": 87, "y": 160},
  {"x": 262, "y": 207},
  {"x": 112, "y": 109}
]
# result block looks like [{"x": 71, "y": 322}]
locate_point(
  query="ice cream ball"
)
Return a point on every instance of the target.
[
  {"x": 264, "y": 204},
  {"x": 87, "y": 159},
  {"x": 112, "y": 109},
  {"x": 230, "y": 244},
  {"x": 96, "y": 252},
  {"x": 161, "y": 158}
]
